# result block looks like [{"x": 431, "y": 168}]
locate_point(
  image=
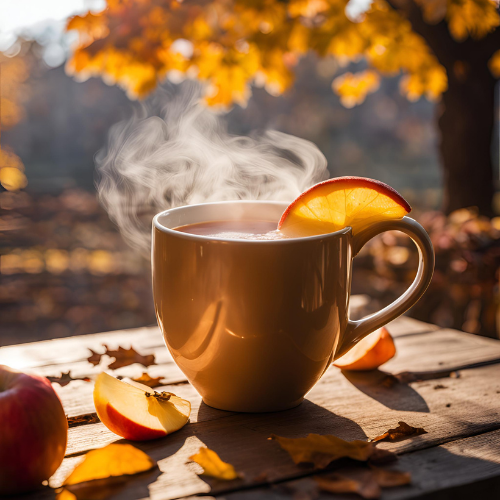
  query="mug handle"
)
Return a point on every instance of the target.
[{"x": 357, "y": 330}]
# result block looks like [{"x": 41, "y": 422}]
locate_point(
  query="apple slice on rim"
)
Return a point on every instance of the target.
[
  {"x": 334, "y": 204},
  {"x": 370, "y": 353},
  {"x": 136, "y": 412}
]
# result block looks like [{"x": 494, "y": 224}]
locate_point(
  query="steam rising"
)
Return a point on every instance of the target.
[{"x": 186, "y": 156}]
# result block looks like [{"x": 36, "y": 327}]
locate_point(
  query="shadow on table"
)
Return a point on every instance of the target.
[{"x": 386, "y": 389}]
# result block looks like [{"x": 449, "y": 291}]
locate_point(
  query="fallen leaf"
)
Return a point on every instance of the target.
[
  {"x": 400, "y": 433},
  {"x": 65, "y": 378},
  {"x": 95, "y": 357},
  {"x": 213, "y": 465},
  {"x": 88, "y": 418},
  {"x": 321, "y": 450},
  {"x": 367, "y": 483},
  {"x": 102, "y": 470},
  {"x": 389, "y": 478},
  {"x": 351, "y": 480},
  {"x": 124, "y": 357},
  {"x": 146, "y": 379},
  {"x": 382, "y": 457}
]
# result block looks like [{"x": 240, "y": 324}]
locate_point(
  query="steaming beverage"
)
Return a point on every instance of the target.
[{"x": 235, "y": 230}]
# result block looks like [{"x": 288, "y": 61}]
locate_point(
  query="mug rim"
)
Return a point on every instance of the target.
[{"x": 199, "y": 237}]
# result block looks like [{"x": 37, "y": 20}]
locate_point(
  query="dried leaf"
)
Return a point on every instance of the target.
[
  {"x": 321, "y": 450},
  {"x": 103, "y": 470},
  {"x": 213, "y": 466},
  {"x": 112, "y": 460},
  {"x": 351, "y": 480},
  {"x": 95, "y": 358},
  {"x": 400, "y": 433},
  {"x": 124, "y": 357},
  {"x": 382, "y": 457},
  {"x": 88, "y": 418},
  {"x": 365, "y": 482},
  {"x": 65, "y": 378},
  {"x": 146, "y": 379},
  {"x": 390, "y": 478}
]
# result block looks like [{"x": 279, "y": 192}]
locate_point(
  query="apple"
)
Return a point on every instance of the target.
[
  {"x": 368, "y": 354},
  {"x": 33, "y": 431},
  {"x": 136, "y": 412}
]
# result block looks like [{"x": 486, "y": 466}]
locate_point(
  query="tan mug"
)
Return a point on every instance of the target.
[{"x": 254, "y": 324}]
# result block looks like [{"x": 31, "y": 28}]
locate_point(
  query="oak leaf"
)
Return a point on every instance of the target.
[
  {"x": 123, "y": 357},
  {"x": 146, "y": 379},
  {"x": 94, "y": 358},
  {"x": 103, "y": 470},
  {"x": 65, "y": 378},
  {"x": 213, "y": 465},
  {"x": 321, "y": 450},
  {"x": 400, "y": 433}
]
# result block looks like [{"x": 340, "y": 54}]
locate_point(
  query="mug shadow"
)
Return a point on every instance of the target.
[{"x": 388, "y": 390}]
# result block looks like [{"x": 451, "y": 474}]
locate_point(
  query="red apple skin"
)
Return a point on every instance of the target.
[{"x": 33, "y": 431}]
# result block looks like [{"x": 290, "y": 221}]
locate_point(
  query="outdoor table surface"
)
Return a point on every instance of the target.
[{"x": 456, "y": 400}]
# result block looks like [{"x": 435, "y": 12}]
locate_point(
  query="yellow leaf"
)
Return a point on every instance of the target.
[
  {"x": 12, "y": 179},
  {"x": 475, "y": 18},
  {"x": 111, "y": 461},
  {"x": 494, "y": 64},
  {"x": 321, "y": 450},
  {"x": 353, "y": 88},
  {"x": 213, "y": 465}
]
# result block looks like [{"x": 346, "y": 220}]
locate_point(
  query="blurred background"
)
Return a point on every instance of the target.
[{"x": 372, "y": 84}]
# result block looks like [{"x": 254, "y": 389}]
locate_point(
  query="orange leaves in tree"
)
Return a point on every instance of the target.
[
  {"x": 213, "y": 465},
  {"x": 474, "y": 18},
  {"x": 13, "y": 90},
  {"x": 232, "y": 44},
  {"x": 354, "y": 87}
]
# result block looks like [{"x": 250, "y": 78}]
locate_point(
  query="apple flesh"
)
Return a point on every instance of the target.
[
  {"x": 33, "y": 431},
  {"x": 136, "y": 412}
]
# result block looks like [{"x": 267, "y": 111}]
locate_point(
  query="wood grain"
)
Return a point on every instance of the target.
[{"x": 349, "y": 405}]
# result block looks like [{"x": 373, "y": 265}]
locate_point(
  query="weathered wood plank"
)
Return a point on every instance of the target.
[
  {"x": 334, "y": 406},
  {"x": 68, "y": 352},
  {"x": 443, "y": 349},
  {"x": 453, "y": 470}
]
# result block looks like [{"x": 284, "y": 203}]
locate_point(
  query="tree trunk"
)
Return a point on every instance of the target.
[{"x": 466, "y": 123}]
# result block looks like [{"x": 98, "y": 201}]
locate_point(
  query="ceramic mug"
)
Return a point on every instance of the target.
[{"x": 254, "y": 324}]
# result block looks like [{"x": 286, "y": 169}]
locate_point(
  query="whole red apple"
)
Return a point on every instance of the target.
[{"x": 33, "y": 431}]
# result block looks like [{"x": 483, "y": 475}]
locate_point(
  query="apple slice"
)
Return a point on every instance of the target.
[
  {"x": 136, "y": 412},
  {"x": 369, "y": 353},
  {"x": 337, "y": 203}
]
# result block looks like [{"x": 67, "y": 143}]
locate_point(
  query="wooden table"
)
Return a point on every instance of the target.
[{"x": 459, "y": 457}]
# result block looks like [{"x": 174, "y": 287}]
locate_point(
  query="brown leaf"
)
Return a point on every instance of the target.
[
  {"x": 400, "y": 433},
  {"x": 382, "y": 457},
  {"x": 351, "y": 480},
  {"x": 322, "y": 450},
  {"x": 146, "y": 379},
  {"x": 95, "y": 358},
  {"x": 389, "y": 478},
  {"x": 365, "y": 482},
  {"x": 88, "y": 418},
  {"x": 124, "y": 357},
  {"x": 65, "y": 378}
]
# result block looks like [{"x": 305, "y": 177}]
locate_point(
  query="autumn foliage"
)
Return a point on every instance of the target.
[
  {"x": 13, "y": 76},
  {"x": 231, "y": 44}
]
